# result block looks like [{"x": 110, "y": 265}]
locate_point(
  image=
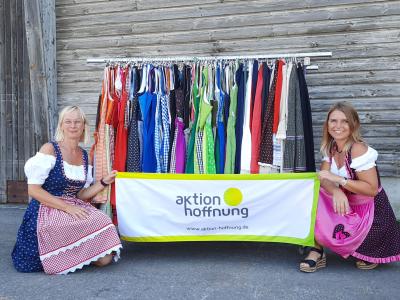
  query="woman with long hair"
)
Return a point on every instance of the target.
[{"x": 354, "y": 216}]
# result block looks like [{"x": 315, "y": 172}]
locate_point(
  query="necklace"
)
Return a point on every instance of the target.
[{"x": 337, "y": 149}]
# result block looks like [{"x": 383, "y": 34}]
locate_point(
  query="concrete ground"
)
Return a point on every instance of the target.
[{"x": 212, "y": 270}]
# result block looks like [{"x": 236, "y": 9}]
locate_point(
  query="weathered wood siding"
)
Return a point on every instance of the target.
[
  {"x": 364, "y": 37},
  {"x": 17, "y": 142},
  {"x": 27, "y": 67}
]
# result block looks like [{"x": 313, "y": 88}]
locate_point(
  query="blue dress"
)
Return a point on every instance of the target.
[{"x": 26, "y": 253}]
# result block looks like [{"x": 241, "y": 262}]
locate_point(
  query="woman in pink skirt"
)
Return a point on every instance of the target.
[
  {"x": 354, "y": 216},
  {"x": 61, "y": 232}
]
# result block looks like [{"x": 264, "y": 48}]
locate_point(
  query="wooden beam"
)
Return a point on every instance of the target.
[
  {"x": 2, "y": 104},
  {"x": 37, "y": 64},
  {"x": 48, "y": 17}
]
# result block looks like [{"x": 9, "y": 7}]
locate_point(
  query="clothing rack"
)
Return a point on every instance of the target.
[{"x": 208, "y": 58}]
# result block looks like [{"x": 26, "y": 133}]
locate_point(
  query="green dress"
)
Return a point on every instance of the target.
[
  {"x": 230, "y": 131},
  {"x": 196, "y": 100},
  {"x": 208, "y": 137}
]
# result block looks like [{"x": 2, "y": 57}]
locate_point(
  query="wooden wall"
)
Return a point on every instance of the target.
[
  {"x": 17, "y": 143},
  {"x": 27, "y": 85},
  {"x": 364, "y": 37}
]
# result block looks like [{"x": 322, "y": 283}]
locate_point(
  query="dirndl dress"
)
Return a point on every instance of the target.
[
  {"x": 52, "y": 240},
  {"x": 370, "y": 231}
]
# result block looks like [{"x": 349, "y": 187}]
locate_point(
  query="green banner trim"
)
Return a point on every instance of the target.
[
  {"x": 221, "y": 238},
  {"x": 314, "y": 210},
  {"x": 167, "y": 176}
]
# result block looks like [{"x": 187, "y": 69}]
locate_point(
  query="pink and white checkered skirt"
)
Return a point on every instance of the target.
[{"x": 67, "y": 244}]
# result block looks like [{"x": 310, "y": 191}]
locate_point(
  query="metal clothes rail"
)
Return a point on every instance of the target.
[
  {"x": 205, "y": 58},
  {"x": 305, "y": 55}
]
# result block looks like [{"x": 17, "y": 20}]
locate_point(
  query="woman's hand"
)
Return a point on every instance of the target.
[
  {"x": 340, "y": 202},
  {"x": 110, "y": 177},
  {"x": 77, "y": 212}
]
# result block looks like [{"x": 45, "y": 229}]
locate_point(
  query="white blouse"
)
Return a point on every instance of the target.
[
  {"x": 362, "y": 163},
  {"x": 38, "y": 167}
]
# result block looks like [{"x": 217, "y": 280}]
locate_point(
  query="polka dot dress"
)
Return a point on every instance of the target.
[
  {"x": 266, "y": 146},
  {"x": 25, "y": 255},
  {"x": 382, "y": 243},
  {"x": 133, "y": 163}
]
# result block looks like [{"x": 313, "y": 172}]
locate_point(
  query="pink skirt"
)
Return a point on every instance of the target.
[
  {"x": 343, "y": 234},
  {"x": 67, "y": 244}
]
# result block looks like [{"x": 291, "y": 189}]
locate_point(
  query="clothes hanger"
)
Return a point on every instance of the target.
[
  {"x": 144, "y": 80},
  {"x": 150, "y": 80}
]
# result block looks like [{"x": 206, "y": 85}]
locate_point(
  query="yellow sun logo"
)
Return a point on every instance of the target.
[{"x": 233, "y": 197}]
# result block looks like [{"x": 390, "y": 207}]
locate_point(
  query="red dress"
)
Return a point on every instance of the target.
[
  {"x": 277, "y": 100},
  {"x": 121, "y": 140},
  {"x": 256, "y": 123}
]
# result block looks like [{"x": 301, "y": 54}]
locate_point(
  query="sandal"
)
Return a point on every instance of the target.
[
  {"x": 365, "y": 265},
  {"x": 312, "y": 264}
]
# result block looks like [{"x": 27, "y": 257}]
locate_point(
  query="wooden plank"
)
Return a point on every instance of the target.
[
  {"x": 389, "y": 170},
  {"x": 152, "y": 4},
  {"x": 8, "y": 89},
  {"x": 286, "y": 35},
  {"x": 20, "y": 95},
  {"x": 366, "y": 51},
  {"x": 378, "y": 143},
  {"x": 348, "y": 53},
  {"x": 72, "y": 2},
  {"x": 2, "y": 103},
  {"x": 47, "y": 9},
  {"x": 208, "y": 10},
  {"x": 354, "y": 91},
  {"x": 254, "y": 46},
  {"x": 373, "y": 117},
  {"x": 37, "y": 70},
  {"x": 361, "y": 104},
  {"x": 355, "y": 77},
  {"x": 13, "y": 133},
  {"x": 96, "y": 8},
  {"x": 28, "y": 134},
  {"x": 17, "y": 191},
  {"x": 273, "y": 20},
  {"x": 389, "y": 157},
  {"x": 370, "y": 130}
]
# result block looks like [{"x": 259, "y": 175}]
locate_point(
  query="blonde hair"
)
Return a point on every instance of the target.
[
  {"x": 328, "y": 145},
  {"x": 59, "y": 135}
]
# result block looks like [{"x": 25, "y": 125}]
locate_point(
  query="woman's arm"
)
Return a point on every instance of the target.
[
  {"x": 89, "y": 192},
  {"x": 340, "y": 202},
  {"x": 367, "y": 182}
]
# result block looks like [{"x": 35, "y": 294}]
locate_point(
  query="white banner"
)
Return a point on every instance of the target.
[{"x": 175, "y": 207}]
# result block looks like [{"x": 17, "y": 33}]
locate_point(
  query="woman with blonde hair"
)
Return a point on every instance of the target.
[
  {"x": 354, "y": 216},
  {"x": 61, "y": 232}
]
